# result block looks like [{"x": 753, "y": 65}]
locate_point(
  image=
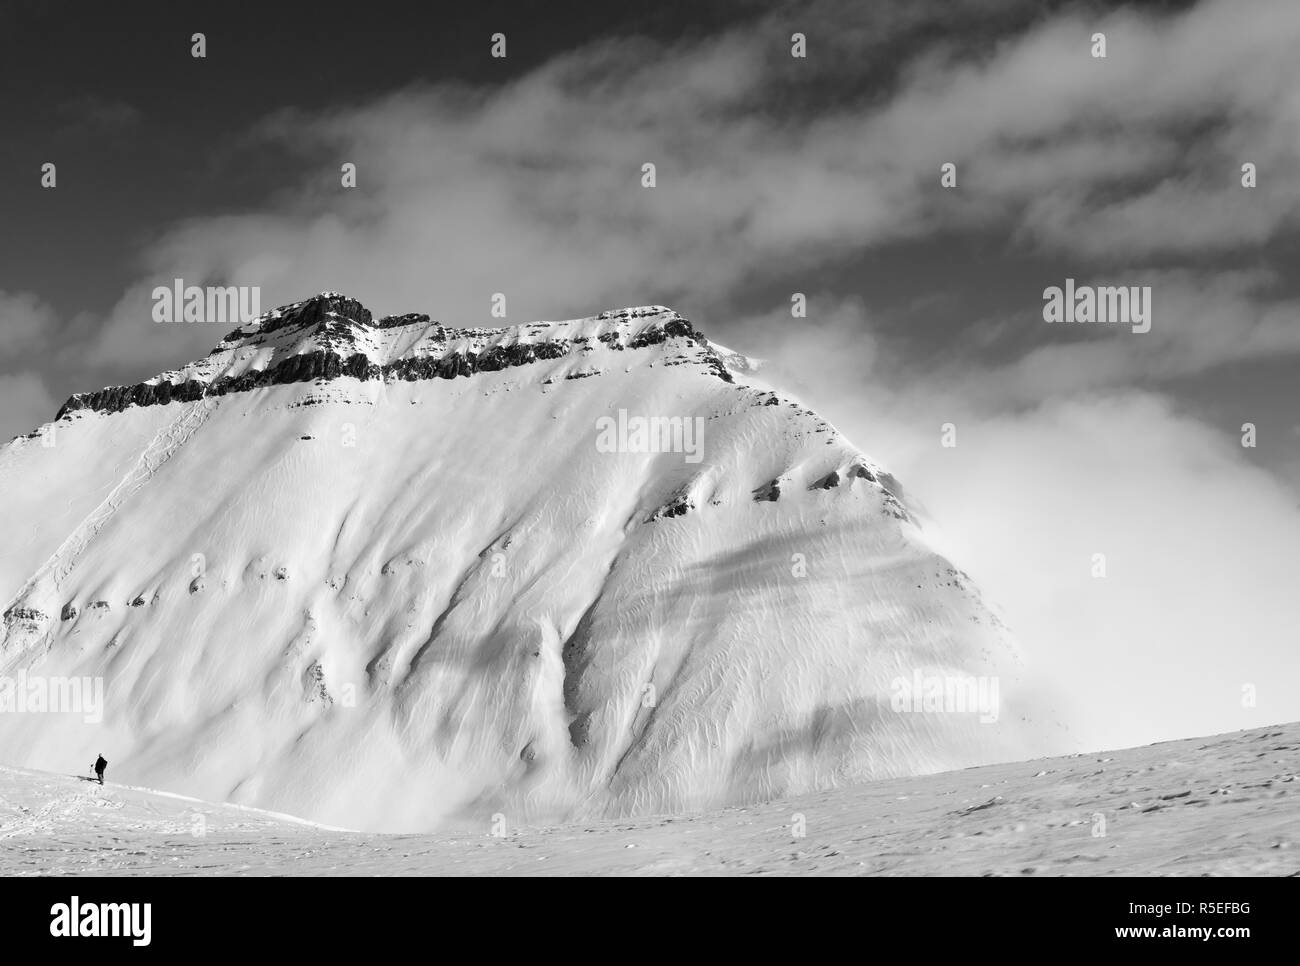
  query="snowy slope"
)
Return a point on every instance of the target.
[
  {"x": 1222, "y": 805},
  {"x": 379, "y": 573}
]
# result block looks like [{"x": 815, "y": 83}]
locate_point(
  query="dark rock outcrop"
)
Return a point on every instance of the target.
[
  {"x": 335, "y": 318},
  {"x": 28, "y": 614},
  {"x": 676, "y": 507}
]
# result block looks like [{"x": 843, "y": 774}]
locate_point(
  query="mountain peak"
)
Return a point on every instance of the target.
[
  {"x": 335, "y": 313},
  {"x": 332, "y": 335},
  {"x": 461, "y": 560},
  {"x": 319, "y": 310}
]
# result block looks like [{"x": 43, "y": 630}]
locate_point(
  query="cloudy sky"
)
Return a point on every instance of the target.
[{"x": 775, "y": 175}]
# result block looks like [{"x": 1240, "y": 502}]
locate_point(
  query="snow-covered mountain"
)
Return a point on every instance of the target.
[{"x": 387, "y": 573}]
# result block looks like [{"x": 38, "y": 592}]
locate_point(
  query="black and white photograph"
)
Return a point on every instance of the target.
[{"x": 850, "y": 438}]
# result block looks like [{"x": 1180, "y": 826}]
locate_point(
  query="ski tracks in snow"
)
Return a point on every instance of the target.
[
  {"x": 159, "y": 450},
  {"x": 46, "y": 819}
]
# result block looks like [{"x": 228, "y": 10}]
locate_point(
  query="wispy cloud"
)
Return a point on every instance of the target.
[
  {"x": 533, "y": 189},
  {"x": 1194, "y": 603}
]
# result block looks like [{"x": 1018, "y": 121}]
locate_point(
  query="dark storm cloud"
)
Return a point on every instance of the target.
[{"x": 464, "y": 192}]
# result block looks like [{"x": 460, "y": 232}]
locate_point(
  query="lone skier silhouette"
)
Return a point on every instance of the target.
[{"x": 100, "y": 765}]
